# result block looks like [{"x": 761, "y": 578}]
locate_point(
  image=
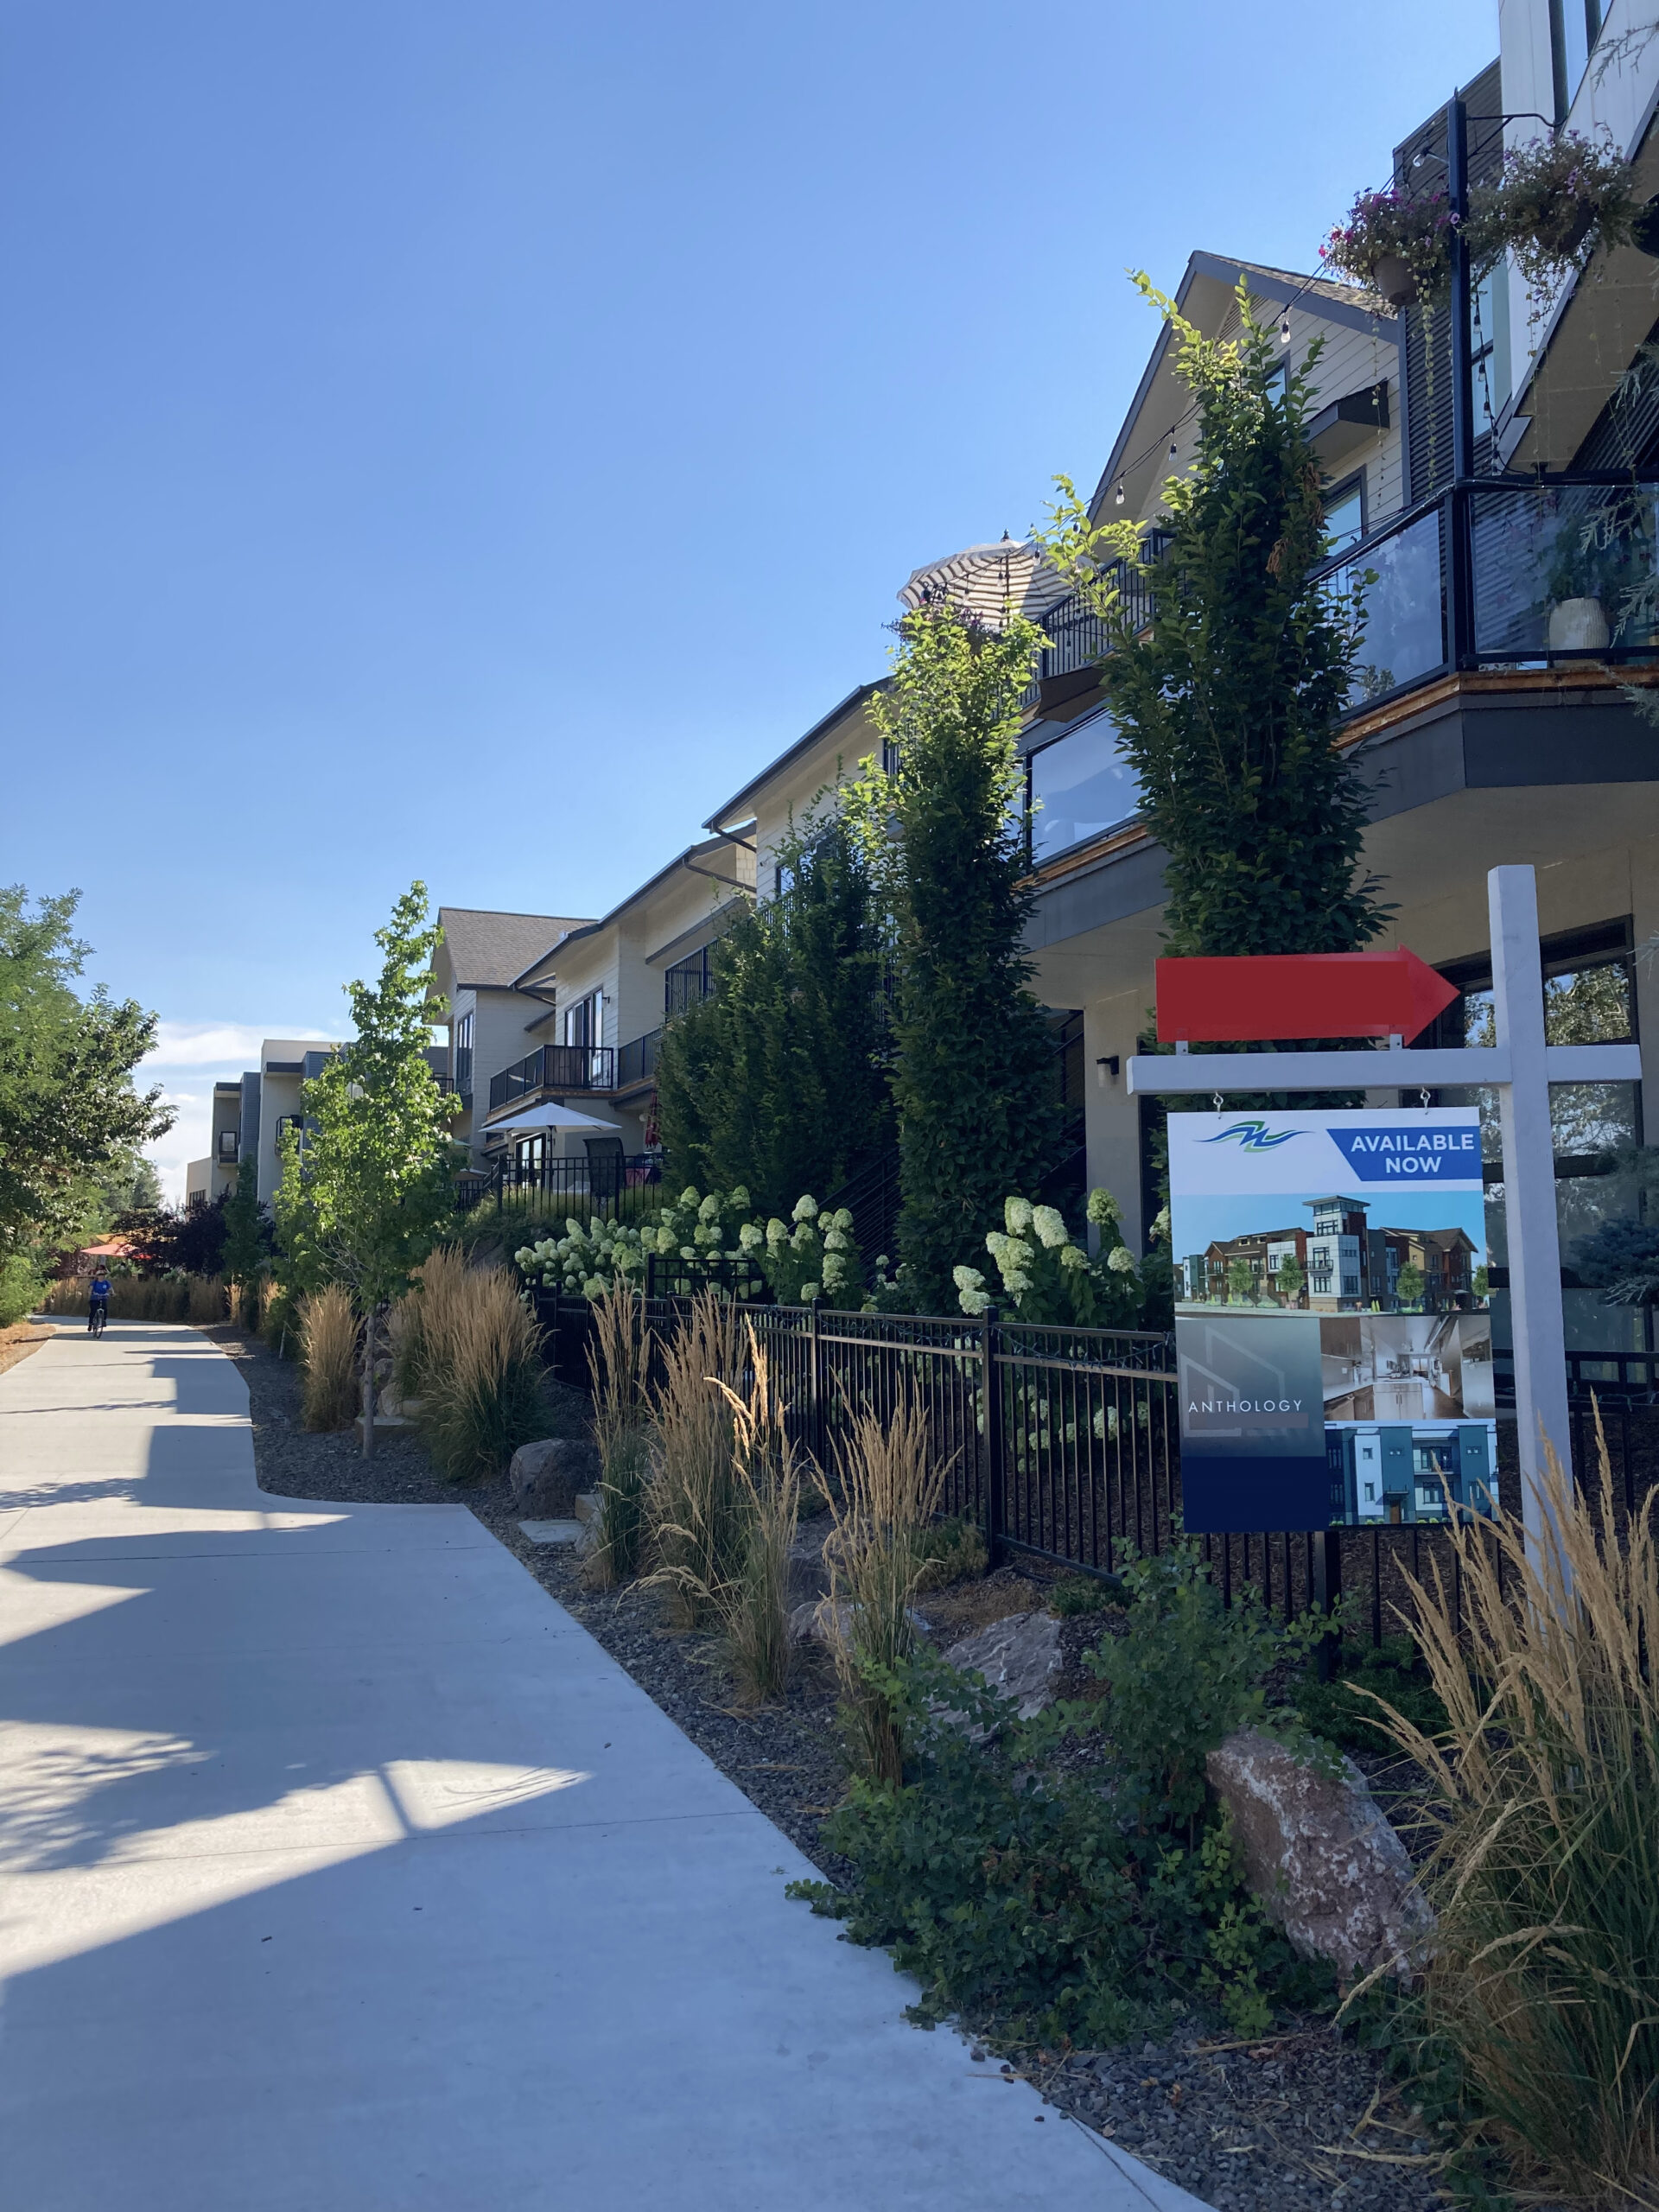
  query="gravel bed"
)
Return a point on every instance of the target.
[{"x": 1298, "y": 2119}]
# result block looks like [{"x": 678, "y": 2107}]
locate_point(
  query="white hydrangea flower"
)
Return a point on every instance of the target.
[
  {"x": 709, "y": 1210},
  {"x": 1050, "y": 1228},
  {"x": 1101, "y": 1208},
  {"x": 967, "y": 1278},
  {"x": 974, "y": 1302},
  {"x": 809, "y": 1292},
  {"x": 688, "y": 1251},
  {"x": 842, "y": 1217},
  {"x": 807, "y": 1208},
  {"x": 1073, "y": 1260},
  {"x": 740, "y": 1195},
  {"x": 1121, "y": 1259},
  {"x": 1017, "y": 1214},
  {"x": 749, "y": 1238}
]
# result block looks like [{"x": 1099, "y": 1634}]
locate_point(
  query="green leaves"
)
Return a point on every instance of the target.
[
  {"x": 366, "y": 1197},
  {"x": 777, "y": 1079},
  {"x": 68, "y": 1108},
  {"x": 973, "y": 1076},
  {"x": 1229, "y": 703}
]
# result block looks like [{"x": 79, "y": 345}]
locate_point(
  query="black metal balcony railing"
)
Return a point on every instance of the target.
[
  {"x": 1499, "y": 573},
  {"x": 556, "y": 1068},
  {"x": 637, "y": 1062}
]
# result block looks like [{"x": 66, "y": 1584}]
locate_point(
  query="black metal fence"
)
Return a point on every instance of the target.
[
  {"x": 1064, "y": 1444},
  {"x": 618, "y": 1186}
]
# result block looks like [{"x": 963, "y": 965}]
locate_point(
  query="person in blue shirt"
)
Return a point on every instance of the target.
[{"x": 97, "y": 1305}]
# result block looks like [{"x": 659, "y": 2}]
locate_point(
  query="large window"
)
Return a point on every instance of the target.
[
  {"x": 583, "y": 1020},
  {"x": 463, "y": 1070},
  {"x": 1080, "y": 784},
  {"x": 1345, "y": 514},
  {"x": 1575, "y": 25}
]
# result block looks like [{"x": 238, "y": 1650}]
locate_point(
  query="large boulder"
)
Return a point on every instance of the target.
[
  {"x": 547, "y": 1477},
  {"x": 1020, "y": 1657},
  {"x": 1321, "y": 1857}
]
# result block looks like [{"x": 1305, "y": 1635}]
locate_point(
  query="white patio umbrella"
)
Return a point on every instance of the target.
[{"x": 550, "y": 1117}]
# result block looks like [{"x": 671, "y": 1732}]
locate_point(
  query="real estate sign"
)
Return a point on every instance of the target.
[{"x": 1331, "y": 1326}]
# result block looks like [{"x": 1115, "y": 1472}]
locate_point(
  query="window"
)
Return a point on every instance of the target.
[
  {"x": 228, "y": 1140},
  {"x": 1080, "y": 784},
  {"x": 1575, "y": 27},
  {"x": 1345, "y": 513},
  {"x": 584, "y": 1020},
  {"x": 463, "y": 1070},
  {"x": 286, "y": 1122}
]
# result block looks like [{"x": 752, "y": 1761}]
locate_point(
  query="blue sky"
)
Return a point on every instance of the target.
[{"x": 468, "y": 442}]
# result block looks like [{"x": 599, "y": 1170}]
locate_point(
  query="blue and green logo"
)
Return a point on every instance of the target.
[{"x": 1252, "y": 1136}]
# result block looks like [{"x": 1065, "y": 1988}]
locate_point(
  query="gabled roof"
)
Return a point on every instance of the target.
[
  {"x": 692, "y": 859},
  {"x": 1346, "y": 304},
  {"x": 487, "y": 950},
  {"x": 738, "y": 809}
]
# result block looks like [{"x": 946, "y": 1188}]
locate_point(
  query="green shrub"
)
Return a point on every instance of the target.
[
  {"x": 1187, "y": 1672},
  {"x": 21, "y": 1287},
  {"x": 1344, "y": 1714},
  {"x": 949, "y": 1551},
  {"x": 1001, "y": 1885},
  {"x": 1085, "y": 1593}
]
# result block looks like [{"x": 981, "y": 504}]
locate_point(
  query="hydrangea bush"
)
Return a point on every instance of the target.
[
  {"x": 1048, "y": 1279},
  {"x": 812, "y": 1255}
]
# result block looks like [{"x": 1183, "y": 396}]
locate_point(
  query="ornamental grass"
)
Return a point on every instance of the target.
[
  {"x": 619, "y": 1365},
  {"x": 891, "y": 1481},
  {"x": 480, "y": 1373},
  {"x": 753, "y": 1603},
  {"x": 1544, "y": 1975},
  {"x": 327, "y": 1332},
  {"x": 694, "y": 1504}
]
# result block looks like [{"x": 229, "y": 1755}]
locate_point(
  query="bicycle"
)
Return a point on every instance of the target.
[{"x": 98, "y": 1317}]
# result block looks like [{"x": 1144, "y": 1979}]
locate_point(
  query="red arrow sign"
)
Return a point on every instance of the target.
[{"x": 1297, "y": 995}]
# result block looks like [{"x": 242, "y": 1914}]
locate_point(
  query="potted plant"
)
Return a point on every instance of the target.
[
  {"x": 1577, "y": 621},
  {"x": 1397, "y": 243},
  {"x": 1558, "y": 200}
]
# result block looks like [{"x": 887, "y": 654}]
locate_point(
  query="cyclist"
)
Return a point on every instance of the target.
[{"x": 97, "y": 1305}]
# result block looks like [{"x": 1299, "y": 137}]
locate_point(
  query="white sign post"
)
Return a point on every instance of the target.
[{"x": 1520, "y": 1066}]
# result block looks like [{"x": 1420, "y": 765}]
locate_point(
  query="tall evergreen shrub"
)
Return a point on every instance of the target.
[
  {"x": 777, "y": 1081},
  {"x": 1228, "y": 704},
  {"x": 974, "y": 1078}
]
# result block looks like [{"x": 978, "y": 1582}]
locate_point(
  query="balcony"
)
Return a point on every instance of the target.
[
  {"x": 228, "y": 1148},
  {"x": 637, "y": 1063},
  {"x": 554, "y": 1068},
  {"x": 1078, "y": 637}
]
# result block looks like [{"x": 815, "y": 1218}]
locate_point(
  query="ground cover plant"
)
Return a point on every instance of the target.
[{"x": 1082, "y": 1900}]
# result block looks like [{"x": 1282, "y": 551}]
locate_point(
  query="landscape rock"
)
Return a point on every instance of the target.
[
  {"x": 1320, "y": 1855},
  {"x": 546, "y": 1477},
  {"x": 809, "y": 1574},
  {"x": 1020, "y": 1657},
  {"x": 815, "y": 1620}
]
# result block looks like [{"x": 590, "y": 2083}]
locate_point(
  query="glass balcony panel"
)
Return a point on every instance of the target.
[
  {"x": 1080, "y": 786},
  {"x": 1562, "y": 567},
  {"x": 1397, "y": 578}
]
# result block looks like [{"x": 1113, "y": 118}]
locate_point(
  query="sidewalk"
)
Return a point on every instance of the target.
[{"x": 340, "y": 1870}]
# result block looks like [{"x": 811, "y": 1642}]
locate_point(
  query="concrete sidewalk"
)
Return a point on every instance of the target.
[{"x": 340, "y": 1870}]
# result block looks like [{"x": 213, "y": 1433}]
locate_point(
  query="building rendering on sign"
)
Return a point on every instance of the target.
[{"x": 1337, "y": 1263}]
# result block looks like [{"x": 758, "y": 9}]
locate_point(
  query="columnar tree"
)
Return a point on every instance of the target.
[
  {"x": 69, "y": 1114},
  {"x": 1228, "y": 704},
  {"x": 974, "y": 1078},
  {"x": 371, "y": 1189},
  {"x": 777, "y": 1081},
  {"x": 246, "y": 1246}
]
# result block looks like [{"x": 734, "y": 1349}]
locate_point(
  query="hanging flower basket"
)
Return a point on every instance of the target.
[
  {"x": 1559, "y": 200},
  {"x": 1395, "y": 243}
]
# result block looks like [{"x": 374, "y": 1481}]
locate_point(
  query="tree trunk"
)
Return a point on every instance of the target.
[{"x": 368, "y": 1384}]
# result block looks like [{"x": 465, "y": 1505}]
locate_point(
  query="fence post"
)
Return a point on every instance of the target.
[
  {"x": 816, "y": 1403},
  {"x": 991, "y": 1399},
  {"x": 1325, "y": 1561}
]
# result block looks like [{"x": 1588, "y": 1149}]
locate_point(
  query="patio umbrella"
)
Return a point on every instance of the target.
[
  {"x": 550, "y": 1117},
  {"x": 983, "y": 579}
]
